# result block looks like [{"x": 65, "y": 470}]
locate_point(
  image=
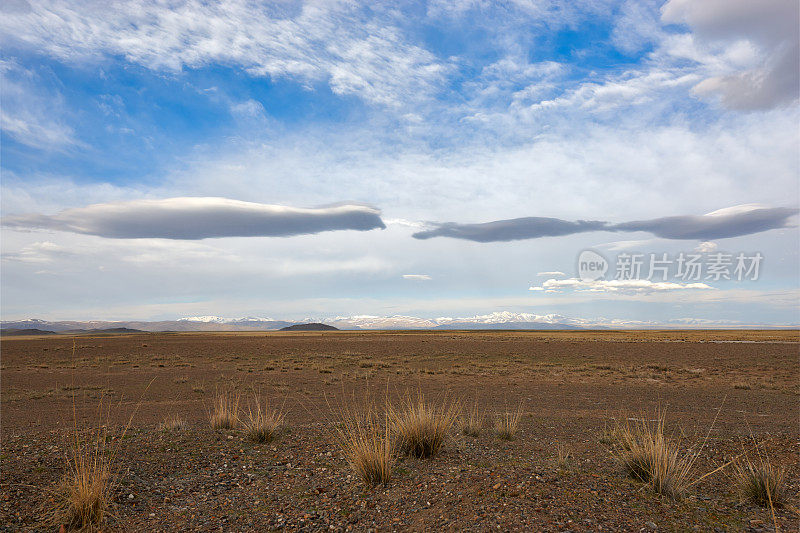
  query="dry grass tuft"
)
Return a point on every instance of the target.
[
  {"x": 262, "y": 421},
  {"x": 421, "y": 427},
  {"x": 472, "y": 421},
  {"x": 225, "y": 410},
  {"x": 647, "y": 454},
  {"x": 611, "y": 435},
  {"x": 506, "y": 424},
  {"x": 760, "y": 483},
  {"x": 173, "y": 422},
  {"x": 366, "y": 444},
  {"x": 83, "y": 497},
  {"x": 563, "y": 457}
]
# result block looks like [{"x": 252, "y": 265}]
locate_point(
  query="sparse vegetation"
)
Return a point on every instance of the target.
[
  {"x": 647, "y": 454},
  {"x": 472, "y": 421},
  {"x": 83, "y": 497},
  {"x": 421, "y": 427},
  {"x": 225, "y": 410},
  {"x": 611, "y": 434},
  {"x": 263, "y": 421},
  {"x": 507, "y": 423},
  {"x": 366, "y": 443},
  {"x": 563, "y": 457},
  {"x": 351, "y": 471},
  {"x": 760, "y": 483},
  {"x": 173, "y": 422}
]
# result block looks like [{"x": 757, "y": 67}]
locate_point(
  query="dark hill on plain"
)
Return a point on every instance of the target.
[
  {"x": 314, "y": 326},
  {"x": 100, "y": 331},
  {"x": 28, "y": 331}
]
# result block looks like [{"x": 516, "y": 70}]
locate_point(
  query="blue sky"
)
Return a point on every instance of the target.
[{"x": 460, "y": 112}]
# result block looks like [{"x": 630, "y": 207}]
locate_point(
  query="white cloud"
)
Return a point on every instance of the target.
[
  {"x": 551, "y": 273},
  {"x": 248, "y": 108},
  {"x": 30, "y": 114},
  {"x": 417, "y": 277},
  {"x": 629, "y": 286},
  {"x": 38, "y": 252},
  {"x": 706, "y": 247},
  {"x": 632, "y": 88},
  {"x": 336, "y": 43},
  {"x": 625, "y": 245}
]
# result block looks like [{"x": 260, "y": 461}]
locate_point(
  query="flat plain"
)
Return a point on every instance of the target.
[{"x": 720, "y": 391}]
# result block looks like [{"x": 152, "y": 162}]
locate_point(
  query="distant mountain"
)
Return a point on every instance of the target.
[
  {"x": 101, "y": 331},
  {"x": 314, "y": 326},
  {"x": 248, "y": 320},
  {"x": 13, "y": 332},
  {"x": 500, "y": 320},
  {"x": 359, "y": 322},
  {"x": 497, "y": 320},
  {"x": 506, "y": 325},
  {"x": 30, "y": 331},
  {"x": 244, "y": 324}
]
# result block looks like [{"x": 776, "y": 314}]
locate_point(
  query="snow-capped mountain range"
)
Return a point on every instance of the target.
[{"x": 222, "y": 320}]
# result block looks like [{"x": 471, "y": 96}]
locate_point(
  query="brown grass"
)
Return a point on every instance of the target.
[
  {"x": 173, "y": 422},
  {"x": 262, "y": 422},
  {"x": 506, "y": 424},
  {"x": 611, "y": 435},
  {"x": 82, "y": 500},
  {"x": 83, "y": 497},
  {"x": 366, "y": 443},
  {"x": 472, "y": 421},
  {"x": 225, "y": 410},
  {"x": 760, "y": 483},
  {"x": 563, "y": 457},
  {"x": 647, "y": 454},
  {"x": 421, "y": 427}
]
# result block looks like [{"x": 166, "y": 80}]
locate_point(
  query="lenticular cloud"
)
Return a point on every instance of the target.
[
  {"x": 201, "y": 218},
  {"x": 729, "y": 222}
]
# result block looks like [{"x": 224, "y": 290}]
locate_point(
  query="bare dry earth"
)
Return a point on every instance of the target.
[{"x": 571, "y": 386}]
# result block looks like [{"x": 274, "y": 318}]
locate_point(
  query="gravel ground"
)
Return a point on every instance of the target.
[{"x": 199, "y": 479}]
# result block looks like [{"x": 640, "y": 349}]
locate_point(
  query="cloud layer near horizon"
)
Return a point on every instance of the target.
[
  {"x": 200, "y": 218},
  {"x": 729, "y": 222}
]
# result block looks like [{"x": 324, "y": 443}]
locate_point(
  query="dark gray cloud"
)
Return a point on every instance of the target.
[
  {"x": 730, "y": 222},
  {"x": 770, "y": 26},
  {"x": 718, "y": 225},
  {"x": 509, "y": 230},
  {"x": 201, "y": 218}
]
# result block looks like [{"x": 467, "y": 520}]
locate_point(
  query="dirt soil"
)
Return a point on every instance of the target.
[{"x": 572, "y": 385}]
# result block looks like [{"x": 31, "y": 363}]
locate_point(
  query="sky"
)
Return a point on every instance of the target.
[{"x": 433, "y": 159}]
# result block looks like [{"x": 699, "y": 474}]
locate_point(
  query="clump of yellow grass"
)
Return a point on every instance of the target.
[
  {"x": 366, "y": 443},
  {"x": 225, "y": 410},
  {"x": 263, "y": 421},
  {"x": 421, "y": 427},
  {"x": 647, "y": 454},
  {"x": 472, "y": 421},
  {"x": 506, "y": 424}
]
